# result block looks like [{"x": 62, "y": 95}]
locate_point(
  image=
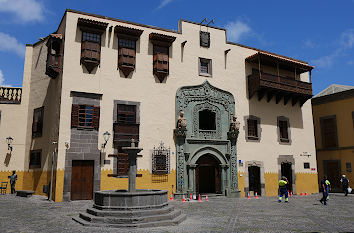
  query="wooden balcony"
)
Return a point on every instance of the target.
[
  {"x": 10, "y": 95},
  {"x": 281, "y": 87},
  {"x": 53, "y": 66},
  {"x": 124, "y": 132}
]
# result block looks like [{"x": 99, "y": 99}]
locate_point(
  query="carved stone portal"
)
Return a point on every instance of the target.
[{"x": 218, "y": 141}]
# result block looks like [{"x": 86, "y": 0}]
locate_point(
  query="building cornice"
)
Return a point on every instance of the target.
[{"x": 333, "y": 97}]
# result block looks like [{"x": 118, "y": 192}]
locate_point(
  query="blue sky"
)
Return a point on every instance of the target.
[{"x": 319, "y": 32}]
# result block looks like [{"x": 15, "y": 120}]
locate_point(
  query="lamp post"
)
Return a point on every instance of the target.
[
  {"x": 106, "y": 136},
  {"x": 9, "y": 143}
]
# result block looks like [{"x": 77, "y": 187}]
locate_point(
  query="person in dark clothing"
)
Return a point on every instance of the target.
[
  {"x": 345, "y": 184},
  {"x": 13, "y": 179},
  {"x": 325, "y": 190}
]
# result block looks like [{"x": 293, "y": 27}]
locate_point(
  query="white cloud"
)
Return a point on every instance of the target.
[
  {"x": 24, "y": 10},
  {"x": 346, "y": 43},
  {"x": 163, "y": 3},
  {"x": 9, "y": 43},
  {"x": 2, "y": 80},
  {"x": 310, "y": 44},
  {"x": 347, "y": 38},
  {"x": 236, "y": 30}
]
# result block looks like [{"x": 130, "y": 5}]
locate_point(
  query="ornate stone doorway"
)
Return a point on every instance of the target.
[
  {"x": 206, "y": 154},
  {"x": 208, "y": 175}
]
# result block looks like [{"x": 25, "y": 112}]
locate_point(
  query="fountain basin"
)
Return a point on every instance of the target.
[{"x": 140, "y": 199}]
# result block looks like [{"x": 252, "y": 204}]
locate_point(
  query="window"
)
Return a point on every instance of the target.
[
  {"x": 35, "y": 159},
  {"x": 126, "y": 114},
  {"x": 160, "y": 62},
  {"x": 204, "y": 67},
  {"x": 348, "y": 167},
  {"x": 122, "y": 161},
  {"x": 126, "y": 56},
  {"x": 90, "y": 50},
  {"x": 329, "y": 131},
  {"x": 306, "y": 165},
  {"x": 283, "y": 130},
  {"x": 161, "y": 160},
  {"x": 207, "y": 120},
  {"x": 205, "y": 39},
  {"x": 85, "y": 116},
  {"x": 92, "y": 37},
  {"x": 252, "y": 128},
  {"x": 37, "y": 125}
]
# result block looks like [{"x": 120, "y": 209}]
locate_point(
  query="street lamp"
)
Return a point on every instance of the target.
[
  {"x": 106, "y": 136},
  {"x": 9, "y": 142}
]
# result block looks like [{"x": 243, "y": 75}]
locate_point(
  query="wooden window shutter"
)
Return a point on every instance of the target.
[
  {"x": 74, "y": 116},
  {"x": 329, "y": 132},
  {"x": 283, "y": 125},
  {"x": 122, "y": 164},
  {"x": 96, "y": 117}
]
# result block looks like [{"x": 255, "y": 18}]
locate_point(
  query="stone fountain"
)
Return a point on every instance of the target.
[{"x": 132, "y": 207}]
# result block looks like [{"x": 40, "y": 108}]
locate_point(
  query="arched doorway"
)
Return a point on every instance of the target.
[{"x": 208, "y": 175}]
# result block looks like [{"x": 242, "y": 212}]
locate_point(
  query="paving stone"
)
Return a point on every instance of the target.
[{"x": 220, "y": 214}]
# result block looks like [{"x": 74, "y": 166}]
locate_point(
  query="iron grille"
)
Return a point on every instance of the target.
[{"x": 161, "y": 160}]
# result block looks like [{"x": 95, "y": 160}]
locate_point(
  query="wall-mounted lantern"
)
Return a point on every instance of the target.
[
  {"x": 106, "y": 136},
  {"x": 9, "y": 143}
]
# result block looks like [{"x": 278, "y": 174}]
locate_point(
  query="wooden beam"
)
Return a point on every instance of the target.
[
  {"x": 261, "y": 93},
  {"x": 278, "y": 98},
  {"x": 294, "y": 100},
  {"x": 269, "y": 96},
  {"x": 286, "y": 99}
]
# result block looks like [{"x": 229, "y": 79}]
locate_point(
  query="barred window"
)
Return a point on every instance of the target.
[
  {"x": 35, "y": 159},
  {"x": 85, "y": 115},
  {"x": 93, "y": 37},
  {"x": 252, "y": 128},
  {"x": 205, "y": 67},
  {"x": 124, "y": 43},
  {"x": 126, "y": 114},
  {"x": 161, "y": 160},
  {"x": 283, "y": 129},
  {"x": 37, "y": 125}
]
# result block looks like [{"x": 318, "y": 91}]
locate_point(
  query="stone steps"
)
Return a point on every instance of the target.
[
  {"x": 173, "y": 218},
  {"x": 130, "y": 213}
]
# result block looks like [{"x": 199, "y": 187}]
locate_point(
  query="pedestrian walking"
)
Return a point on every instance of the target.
[
  {"x": 325, "y": 190},
  {"x": 345, "y": 184},
  {"x": 283, "y": 190},
  {"x": 329, "y": 188},
  {"x": 13, "y": 179}
]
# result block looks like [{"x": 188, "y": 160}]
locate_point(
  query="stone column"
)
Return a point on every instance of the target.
[
  {"x": 223, "y": 168},
  {"x": 232, "y": 136},
  {"x": 132, "y": 154},
  {"x": 180, "y": 134},
  {"x": 191, "y": 187}
]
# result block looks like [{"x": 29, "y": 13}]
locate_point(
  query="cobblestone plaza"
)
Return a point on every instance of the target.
[{"x": 220, "y": 214}]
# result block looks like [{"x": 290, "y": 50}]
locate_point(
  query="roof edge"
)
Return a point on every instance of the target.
[{"x": 333, "y": 97}]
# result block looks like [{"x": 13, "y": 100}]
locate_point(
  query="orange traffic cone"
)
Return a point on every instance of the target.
[
  {"x": 301, "y": 194},
  {"x": 291, "y": 194},
  {"x": 305, "y": 194},
  {"x": 206, "y": 197},
  {"x": 171, "y": 197},
  {"x": 183, "y": 199},
  {"x": 248, "y": 195},
  {"x": 199, "y": 199},
  {"x": 256, "y": 196},
  {"x": 190, "y": 197}
]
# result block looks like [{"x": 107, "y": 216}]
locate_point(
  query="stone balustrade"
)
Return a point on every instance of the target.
[{"x": 10, "y": 95}]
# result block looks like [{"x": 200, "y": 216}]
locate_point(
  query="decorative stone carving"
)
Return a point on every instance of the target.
[
  {"x": 234, "y": 125},
  {"x": 182, "y": 121}
]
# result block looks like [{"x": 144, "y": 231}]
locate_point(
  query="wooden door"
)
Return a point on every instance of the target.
[
  {"x": 333, "y": 175},
  {"x": 82, "y": 180}
]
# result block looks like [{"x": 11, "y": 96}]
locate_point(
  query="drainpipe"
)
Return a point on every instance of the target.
[{"x": 51, "y": 175}]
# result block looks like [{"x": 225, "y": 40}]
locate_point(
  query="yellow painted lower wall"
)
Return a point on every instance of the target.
[
  {"x": 28, "y": 180},
  {"x": 271, "y": 183},
  {"x": 147, "y": 181},
  {"x": 306, "y": 182},
  {"x": 59, "y": 185}
]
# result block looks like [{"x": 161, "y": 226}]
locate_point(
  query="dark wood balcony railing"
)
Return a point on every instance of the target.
[
  {"x": 53, "y": 65},
  {"x": 10, "y": 95},
  {"x": 279, "y": 86},
  {"x": 124, "y": 132}
]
